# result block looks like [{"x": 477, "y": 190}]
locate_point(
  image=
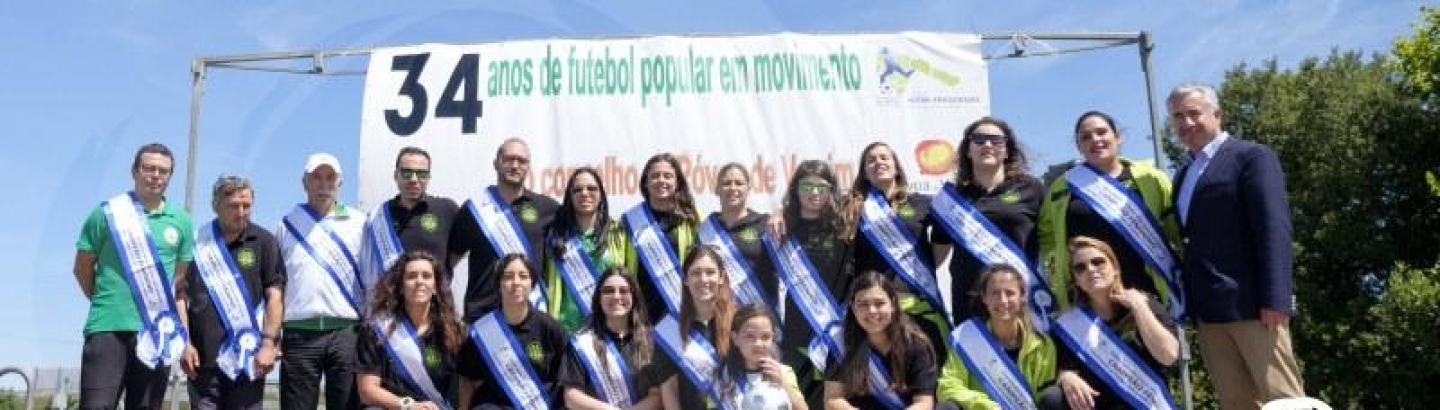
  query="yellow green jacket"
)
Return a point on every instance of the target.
[
  {"x": 1036, "y": 362},
  {"x": 1154, "y": 188},
  {"x": 561, "y": 305}
]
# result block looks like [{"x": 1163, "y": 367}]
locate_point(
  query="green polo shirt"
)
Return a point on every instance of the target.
[{"x": 112, "y": 306}]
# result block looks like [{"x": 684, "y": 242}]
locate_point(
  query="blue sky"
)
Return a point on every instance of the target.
[{"x": 85, "y": 83}]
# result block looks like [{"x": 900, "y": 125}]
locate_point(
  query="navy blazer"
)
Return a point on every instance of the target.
[{"x": 1237, "y": 257}]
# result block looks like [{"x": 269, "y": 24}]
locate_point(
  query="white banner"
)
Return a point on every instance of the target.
[{"x": 766, "y": 101}]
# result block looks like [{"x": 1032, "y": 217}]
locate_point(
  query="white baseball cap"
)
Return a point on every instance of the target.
[{"x": 321, "y": 158}]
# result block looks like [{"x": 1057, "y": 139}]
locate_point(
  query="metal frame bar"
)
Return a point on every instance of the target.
[{"x": 1019, "y": 43}]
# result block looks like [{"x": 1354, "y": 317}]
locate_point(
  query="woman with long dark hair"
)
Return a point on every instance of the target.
[
  {"x": 661, "y": 228},
  {"x": 513, "y": 337},
  {"x": 615, "y": 351},
  {"x": 580, "y": 243},
  {"x": 706, "y": 309},
  {"x": 406, "y": 355},
  {"x": 877, "y": 331},
  {"x": 812, "y": 223}
]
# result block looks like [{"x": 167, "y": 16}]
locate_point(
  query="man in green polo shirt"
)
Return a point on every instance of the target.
[{"x": 109, "y": 364}]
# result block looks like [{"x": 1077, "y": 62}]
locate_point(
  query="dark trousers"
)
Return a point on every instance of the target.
[
  {"x": 212, "y": 390},
  {"x": 108, "y": 367},
  {"x": 308, "y": 355}
]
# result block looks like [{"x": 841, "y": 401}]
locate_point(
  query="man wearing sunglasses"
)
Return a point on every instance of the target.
[
  {"x": 518, "y": 213},
  {"x": 412, "y": 220}
]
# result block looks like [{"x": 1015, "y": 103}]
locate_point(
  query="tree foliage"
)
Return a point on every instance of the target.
[
  {"x": 1417, "y": 58},
  {"x": 1356, "y": 142}
]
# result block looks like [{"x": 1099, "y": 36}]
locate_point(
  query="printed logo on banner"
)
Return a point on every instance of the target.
[
  {"x": 936, "y": 157},
  {"x": 915, "y": 81}
]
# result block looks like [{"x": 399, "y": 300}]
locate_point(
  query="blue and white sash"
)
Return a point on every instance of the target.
[
  {"x": 613, "y": 380},
  {"x": 382, "y": 245},
  {"x": 888, "y": 233},
  {"x": 497, "y": 221},
  {"x": 407, "y": 353},
  {"x": 327, "y": 250},
  {"x": 578, "y": 272},
  {"x": 507, "y": 361},
  {"x": 994, "y": 369},
  {"x": 742, "y": 279},
  {"x": 1125, "y": 210},
  {"x": 231, "y": 296},
  {"x": 696, "y": 359},
  {"x": 972, "y": 230},
  {"x": 880, "y": 381},
  {"x": 162, "y": 338},
  {"x": 656, "y": 254},
  {"x": 816, "y": 304},
  {"x": 1097, "y": 346}
]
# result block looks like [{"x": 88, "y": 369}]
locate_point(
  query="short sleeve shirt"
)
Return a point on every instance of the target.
[
  {"x": 112, "y": 305},
  {"x": 546, "y": 348},
  {"x": 372, "y": 357},
  {"x": 922, "y": 374},
  {"x": 533, "y": 211},
  {"x": 426, "y": 226},
  {"x": 257, "y": 255}
]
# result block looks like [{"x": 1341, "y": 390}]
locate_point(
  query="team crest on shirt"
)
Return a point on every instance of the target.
[
  {"x": 172, "y": 235},
  {"x": 429, "y": 222},
  {"x": 245, "y": 257},
  {"x": 528, "y": 214},
  {"x": 535, "y": 352},
  {"x": 432, "y": 357},
  {"x": 1010, "y": 197},
  {"x": 748, "y": 235},
  {"x": 905, "y": 211}
]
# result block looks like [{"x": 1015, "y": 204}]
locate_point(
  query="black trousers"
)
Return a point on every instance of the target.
[
  {"x": 108, "y": 367},
  {"x": 212, "y": 390},
  {"x": 308, "y": 355}
]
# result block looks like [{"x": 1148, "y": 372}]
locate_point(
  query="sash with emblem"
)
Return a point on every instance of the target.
[
  {"x": 578, "y": 272},
  {"x": 883, "y": 227},
  {"x": 407, "y": 353},
  {"x": 382, "y": 245},
  {"x": 328, "y": 251},
  {"x": 697, "y": 359},
  {"x": 969, "y": 228},
  {"x": 1123, "y": 209},
  {"x": 498, "y": 222},
  {"x": 994, "y": 369},
  {"x": 226, "y": 285},
  {"x": 508, "y": 361},
  {"x": 742, "y": 277},
  {"x": 611, "y": 377},
  {"x": 656, "y": 254},
  {"x": 162, "y": 338},
  {"x": 1101, "y": 350}
]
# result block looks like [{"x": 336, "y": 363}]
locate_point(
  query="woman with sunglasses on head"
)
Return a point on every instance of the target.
[
  {"x": 705, "y": 316},
  {"x": 1136, "y": 317},
  {"x": 614, "y": 366},
  {"x": 580, "y": 243},
  {"x": 737, "y": 231},
  {"x": 889, "y": 363},
  {"x": 812, "y": 224},
  {"x": 405, "y": 358},
  {"x": 752, "y": 377},
  {"x": 524, "y": 342},
  {"x": 992, "y": 178},
  {"x": 1069, "y": 210},
  {"x": 1002, "y": 315},
  {"x": 660, "y": 229}
]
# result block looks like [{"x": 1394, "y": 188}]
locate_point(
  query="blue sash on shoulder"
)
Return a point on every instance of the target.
[
  {"x": 326, "y": 249},
  {"x": 162, "y": 338},
  {"x": 1107, "y": 355},
  {"x": 994, "y": 369},
  {"x": 506, "y": 359},
  {"x": 898, "y": 245},
  {"x": 812, "y": 298},
  {"x": 742, "y": 277},
  {"x": 1125, "y": 210},
  {"x": 578, "y": 272},
  {"x": 231, "y": 297},
  {"x": 656, "y": 254},
  {"x": 497, "y": 221},
  {"x": 696, "y": 359},
  {"x": 976, "y": 234},
  {"x": 407, "y": 353},
  {"x": 613, "y": 379}
]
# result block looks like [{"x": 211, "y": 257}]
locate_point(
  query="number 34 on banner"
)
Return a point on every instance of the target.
[{"x": 414, "y": 77}]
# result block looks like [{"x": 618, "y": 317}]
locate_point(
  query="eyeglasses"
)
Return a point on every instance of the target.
[
  {"x": 615, "y": 290},
  {"x": 154, "y": 169},
  {"x": 979, "y": 139},
  {"x": 585, "y": 188},
  {"x": 814, "y": 187},
  {"x": 407, "y": 173},
  {"x": 1080, "y": 266}
]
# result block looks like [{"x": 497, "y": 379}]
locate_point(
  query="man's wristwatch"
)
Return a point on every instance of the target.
[{"x": 406, "y": 402}]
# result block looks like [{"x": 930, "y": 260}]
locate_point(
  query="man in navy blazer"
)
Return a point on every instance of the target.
[{"x": 1235, "y": 224}]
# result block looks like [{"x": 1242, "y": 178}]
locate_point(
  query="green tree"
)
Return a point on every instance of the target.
[
  {"x": 1417, "y": 58},
  {"x": 1355, "y": 144}
]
